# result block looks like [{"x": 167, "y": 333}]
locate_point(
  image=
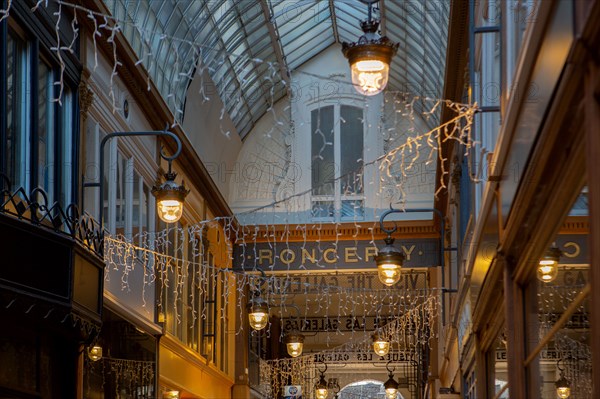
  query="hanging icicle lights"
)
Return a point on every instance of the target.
[
  {"x": 165, "y": 259},
  {"x": 411, "y": 334}
]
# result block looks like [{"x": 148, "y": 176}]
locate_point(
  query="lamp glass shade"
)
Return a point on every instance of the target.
[
  {"x": 547, "y": 272},
  {"x": 294, "y": 343},
  {"x": 547, "y": 269},
  {"x": 563, "y": 392},
  {"x": 321, "y": 393},
  {"x": 294, "y": 349},
  {"x": 369, "y": 58},
  {"x": 95, "y": 353},
  {"x": 380, "y": 345},
  {"x": 258, "y": 319},
  {"x": 170, "y": 197},
  {"x": 391, "y": 393},
  {"x": 563, "y": 388},
  {"x": 389, "y": 273},
  {"x": 370, "y": 76},
  {"x": 391, "y": 387},
  {"x": 389, "y": 262},
  {"x": 169, "y": 210}
]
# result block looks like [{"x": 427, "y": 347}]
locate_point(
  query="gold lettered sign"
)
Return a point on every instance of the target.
[
  {"x": 422, "y": 252},
  {"x": 574, "y": 248}
]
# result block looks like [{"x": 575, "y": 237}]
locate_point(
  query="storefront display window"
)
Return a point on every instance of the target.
[
  {"x": 500, "y": 367},
  {"x": 126, "y": 367},
  {"x": 558, "y": 345}
]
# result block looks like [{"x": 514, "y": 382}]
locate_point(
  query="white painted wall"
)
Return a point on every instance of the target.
[
  {"x": 106, "y": 115},
  {"x": 212, "y": 134}
]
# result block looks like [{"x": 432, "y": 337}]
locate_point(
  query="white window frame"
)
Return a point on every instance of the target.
[{"x": 337, "y": 197}]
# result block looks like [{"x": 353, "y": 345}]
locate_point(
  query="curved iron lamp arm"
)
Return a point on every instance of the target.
[
  {"x": 443, "y": 249},
  {"x": 100, "y": 181}
]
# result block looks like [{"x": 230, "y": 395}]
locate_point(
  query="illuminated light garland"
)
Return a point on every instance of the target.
[
  {"x": 575, "y": 354},
  {"x": 393, "y": 164},
  {"x": 135, "y": 377},
  {"x": 124, "y": 256},
  {"x": 302, "y": 370}
]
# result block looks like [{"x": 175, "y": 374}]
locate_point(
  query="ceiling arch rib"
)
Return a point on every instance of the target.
[{"x": 230, "y": 36}]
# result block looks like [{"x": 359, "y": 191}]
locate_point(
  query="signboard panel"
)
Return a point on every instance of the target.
[
  {"x": 336, "y": 324},
  {"x": 363, "y": 357},
  {"x": 313, "y": 284},
  {"x": 330, "y": 255}
]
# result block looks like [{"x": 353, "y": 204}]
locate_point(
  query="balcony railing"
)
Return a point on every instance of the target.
[{"x": 36, "y": 209}]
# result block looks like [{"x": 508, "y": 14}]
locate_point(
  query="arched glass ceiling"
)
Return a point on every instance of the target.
[{"x": 229, "y": 36}]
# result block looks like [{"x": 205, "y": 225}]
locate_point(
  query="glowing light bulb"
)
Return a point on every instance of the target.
[
  {"x": 258, "y": 320},
  {"x": 547, "y": 269},
  {"x": 391, "y": 393},
  {"x": 389, "y": 274},
  {"x": 294, "y": 349},
  {"x": 169, "y": 210},
  {"x": 95, "y": 353},
  {"x": 321, "y": 393},
  {"x": 563, "y": 392},
  {"x": 369, "y": 77},
  {"x": 380, "y": 345}
]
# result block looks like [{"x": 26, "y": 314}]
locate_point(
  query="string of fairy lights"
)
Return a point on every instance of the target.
[
  {"x": 571, "y": 351},
  {"x": 408, "y": 334},
  {"x": 188, "y": 262},
  {"x": 134, "y": 377}
]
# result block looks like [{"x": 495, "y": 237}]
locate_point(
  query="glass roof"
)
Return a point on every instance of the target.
[{"x": 233, "y": 37}]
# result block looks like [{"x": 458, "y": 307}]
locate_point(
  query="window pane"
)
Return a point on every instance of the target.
[
  {"x": 209, "y": 322},
  {"x": 193, "y": 295},
  {"x": 351, "y": 138},
  {"x": 136, "y": 205},
  {"x": 108, "y": 167},
  {"x": 17, "y": 125},
  {"x": 45, "y": 124},
  {"x": 121, "y": 205},
  {"x": 91, "y": 167},
  {"x": 486, "y": 88},
  {"x": 354, "y": 209},
  {"x": 562, "y": 274},
  {"x": 322, "y": 209},
  {"x": 144, "y": 212},
  {"x": 67, "y": 163},
  {"x": 322, "y": 141}
]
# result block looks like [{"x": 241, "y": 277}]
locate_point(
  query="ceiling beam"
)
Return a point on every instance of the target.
[
  {"x": 336, "y": 34},
  {"x": 277, "y": 47}
]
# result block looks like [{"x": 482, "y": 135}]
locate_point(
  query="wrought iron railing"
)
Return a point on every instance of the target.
[{"x": 36, "y": 209}]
